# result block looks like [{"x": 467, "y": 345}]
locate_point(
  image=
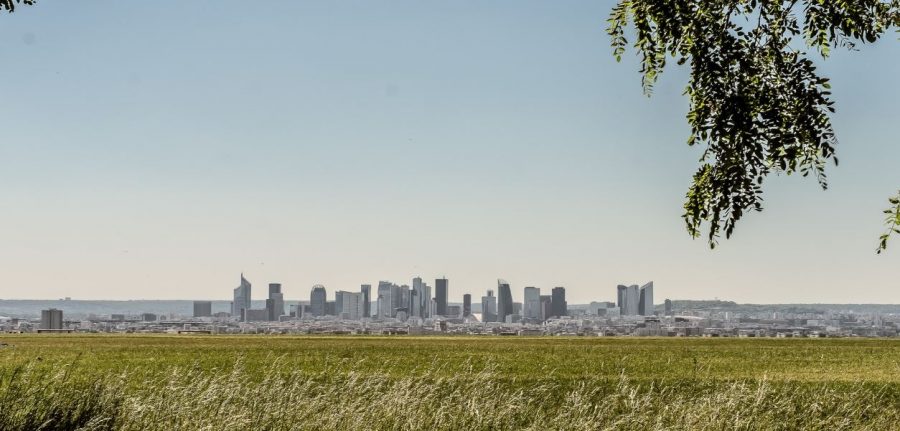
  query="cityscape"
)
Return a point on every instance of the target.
[{"x": 421, "y": 309}]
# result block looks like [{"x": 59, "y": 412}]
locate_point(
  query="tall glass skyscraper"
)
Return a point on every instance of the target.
[
  {"x": 317, "y": 299},
  {"x": 467, "y": 305},
  {"x": 645, "y": 304},
  {"x": 558, "y": 302},
  {"x": 366, "y": 290},
  {"x": 504, "y": 300},
  {"x": 241, "y": 302},
  {"x": 532, "y": 304},
  {"x": 440, "y": 296}
]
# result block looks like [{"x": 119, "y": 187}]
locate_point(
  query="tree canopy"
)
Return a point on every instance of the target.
[{"x": 757, "y": 103}]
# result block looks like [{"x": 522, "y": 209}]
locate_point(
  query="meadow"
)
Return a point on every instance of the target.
[{"x": 144, "y": 382}]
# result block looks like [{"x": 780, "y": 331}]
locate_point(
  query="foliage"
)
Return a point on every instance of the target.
[
  {"x": 10, "y": 5},
  {"x": 447, "y": 383},
  {"x": 892, "y": 220},
  {"x": 757, "y": 104}
]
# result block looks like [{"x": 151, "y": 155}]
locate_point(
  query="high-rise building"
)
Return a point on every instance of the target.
[
  {"x": 398, "y": 295},
  {"x": 504, "y": 300},
  {"x": 546, "y": 307},
  {"x": 351, "y": 307},
  {"x": 418, "y": 298},
  {"x": 645, "y": 303},
  {"x": 385, "y": 289},
  {"x": 489, "y": 307},
  {"x": 668, "y": 307},
  {"x": 241, "y": 300},
  {"x": 51, "y": 319},
  {"x": 276, "y": 297},
  {"x": 558, "y": 302},
  {"x": 317, "y": 300},
  {"x": 366, "y": 290},
  {"x": 202, "y": 308},
  {"x": 621, "y": 291},
  {"x": 632, "y": 301},
  {"x": 532, "y": 304},
  {"x": 339, "y": 302},
  {"x": 441, "y": 295},
  {"x": 467, "y": 305}
]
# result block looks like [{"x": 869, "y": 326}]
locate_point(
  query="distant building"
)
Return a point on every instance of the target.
[
  {"x": 385, "y": 293},
  {"x": 467, "y": 305},
  {"x": 256, "y": 315},
  {"x": 149, "y": 317},
  {"x": 532, "y": 304},
  {"x": 489, "y": 307},
  {"x": 621, "y": 292},
  {"x": 668, "y": 307},
  {"x": 51, "y": 319},
  {"x": 276, "y": 310},
  {"x": 417, "y": 298},
  {"x": 645, "y": 302},
  {"x": 202, "y": 308},
  {"x": 628, "y": 300},
  {"x": 454, "y": 311},
  {"x": 241, "y": 301},
  {"x": 351, "y": 307},
  {"x": 317, "y": 300},
  {"x": 546, "y": 307},
  {"x": 329, "y": 308},
  {"x": 366, "y": 291},
  {"x": 441, "y": 286},
  {"x": 504, "y": 300},
  {"x": 558, "y": 302}
]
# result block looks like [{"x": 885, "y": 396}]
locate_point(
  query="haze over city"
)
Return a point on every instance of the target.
[{"x": 347, "y": 143}]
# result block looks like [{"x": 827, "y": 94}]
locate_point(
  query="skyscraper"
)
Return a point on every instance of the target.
[
  {"x": 241, "y": 300},
  {"x": 668, "y": 305},
  {"x": 51, "y": 319},
  {"x": 317, "y": 299},
  {"x": 532, "y": 305},
  {"x": 202, "y": 308},
  {"x": 558, "y": 302},
  {"x": 489, "y": 307},
  {"x": 418, "y": 298},
  {"x": 276, "y": 310},
  {"x": 645, "y": 304},
  {"x": 620, "y": 297},
  {"x": 467, "y": 305},
  {"x": 351, "y": 307},
  {"x": 546, "y": 307},
  {"x": 632, "y": 300},
  {"x": 504, "y": 300},
  {"x": 440, "y": 295},
  {"x": 385, "y": 290},
  {"x": 366, "y": 290}
]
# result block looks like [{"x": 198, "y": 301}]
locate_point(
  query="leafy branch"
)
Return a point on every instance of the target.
[{"x": 892, "y": 221}]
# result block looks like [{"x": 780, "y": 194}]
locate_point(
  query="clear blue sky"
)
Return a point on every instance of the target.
[{"x": 158, "y": 149}]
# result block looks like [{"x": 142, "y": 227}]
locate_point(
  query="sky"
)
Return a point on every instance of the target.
[{"x": 156, "y": 150}]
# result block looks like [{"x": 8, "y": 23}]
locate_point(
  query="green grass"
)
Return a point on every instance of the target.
[{"x": 278, "y": 382}]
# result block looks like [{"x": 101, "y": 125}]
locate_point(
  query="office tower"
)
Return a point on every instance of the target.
[
  {"x": 317, "y": 300},
  {"x": 546, "y": 307},
  {"x": 427, "y": 309},
  {"x": 241, "y": 299},
  {"x": 351, "y": 305},
  {"x": 467, "y": 305},
  {"x": 253, "y": 315},
  {"x": 339, "y": 302},
  {"x": 366, "y": 290},
  {"x": 454, "y": 311},
  {"x": 504, "y": 300},
  {"x": 148, "y": 317},
  {"x": 645, "y": 304},
  {"x": 440, "y": 296},
  {"x": 632, "y": 301},
  {"x": 405, "y": 300},
  {"x": 532, "y": 304},
  {"x": 51, "y": 319},
  {"x": 668, "y": 307},
  {"x": 417, "y": 298},
  {"x": 275, "y": 303},
  {"x": 202, "y": 308},
  {"x": 384, "y": 299},
  {"x": 489, "y": 307},
  {"x": 329, "y": 308},
  {"x": 558, "y": 302},
  {"x": 620, "y": 296}
]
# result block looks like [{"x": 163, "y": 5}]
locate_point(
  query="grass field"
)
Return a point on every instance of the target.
[{"x": 274, "y": 382}]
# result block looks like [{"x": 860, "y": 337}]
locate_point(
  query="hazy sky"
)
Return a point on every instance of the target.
[{"x": 157, "y": 152}]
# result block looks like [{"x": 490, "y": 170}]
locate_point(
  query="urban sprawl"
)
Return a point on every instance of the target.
[{"x": 391, "y": 309}]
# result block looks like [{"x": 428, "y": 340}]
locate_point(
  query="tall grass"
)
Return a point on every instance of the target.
[{"x": 53, "y": 397}]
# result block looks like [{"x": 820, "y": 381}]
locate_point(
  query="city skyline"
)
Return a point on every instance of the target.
[{"x": 320, "y": 143}]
